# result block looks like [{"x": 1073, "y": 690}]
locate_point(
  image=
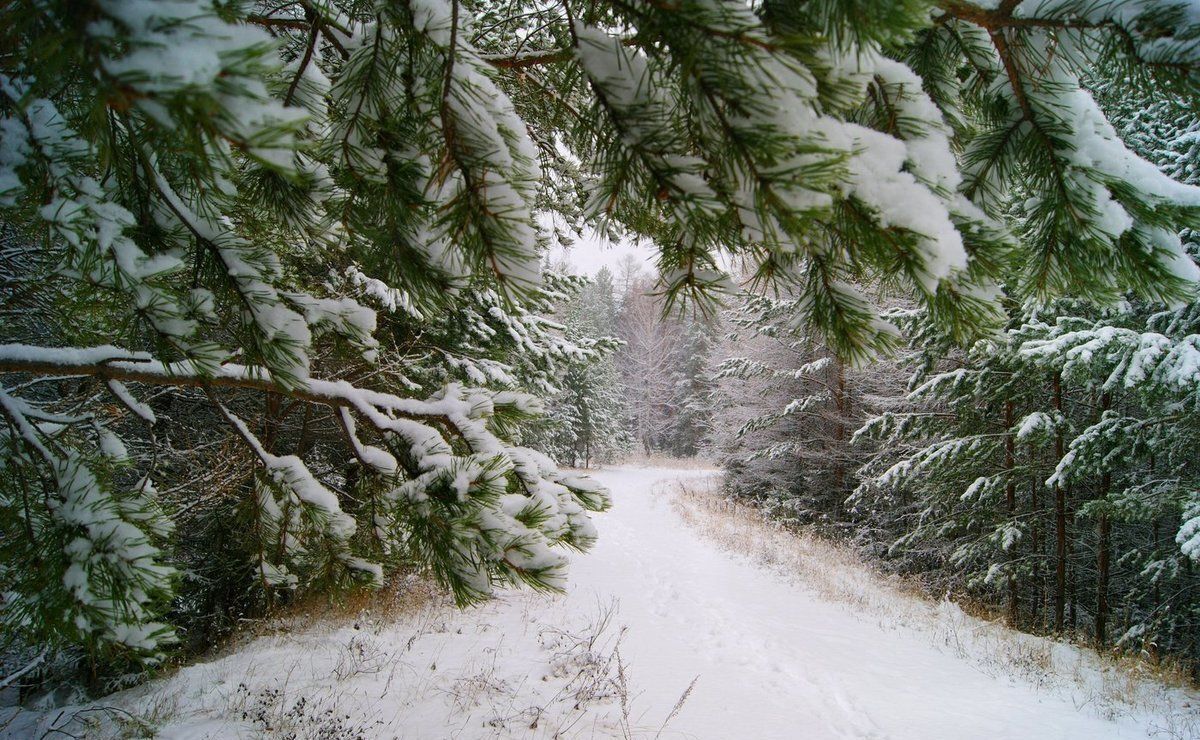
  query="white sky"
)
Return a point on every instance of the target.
[{"x": 586, "y": 256}]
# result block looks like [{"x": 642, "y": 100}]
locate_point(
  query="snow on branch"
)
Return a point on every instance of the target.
[{"x": 503, "y": 541}]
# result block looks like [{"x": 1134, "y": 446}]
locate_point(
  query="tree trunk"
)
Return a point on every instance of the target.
[
  {"x": 1060, "y": 519},
  {"x": 1102, "y": 554},
  {"x": 1103, "y": 527},
  {"x": 273, "y": 404},
  {"x": 1037, "y": 607},
  {"x": 1010, "y": 500},
  {"x": 1071, "y": 600},
  {"x": 839, "y": 437}
]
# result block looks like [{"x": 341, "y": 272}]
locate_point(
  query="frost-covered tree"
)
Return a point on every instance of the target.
[
  {"x": 1051, "y": 464},
  {"x": 695, "y": 385},
  {"x": 962, "y": 466},
  {"x": 1138, "y": 442},
  {"x": 585, "y": 420},
  {"x": 648, "y": 363},
  {"x": 1052, "y": 471},
  {"x": 196, "y": 194},
  {"x": 1131, "y": 459},
  {"x": 199, "y": 203},
  {"x": 788, "y": 409}
]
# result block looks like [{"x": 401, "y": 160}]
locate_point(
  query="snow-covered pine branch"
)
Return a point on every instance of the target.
[{"x": 219, "y": 188}]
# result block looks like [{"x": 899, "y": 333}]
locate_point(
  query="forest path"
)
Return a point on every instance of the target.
[
  {"x": 778, "y": 636},
  {"x": 776, "y": 659}
]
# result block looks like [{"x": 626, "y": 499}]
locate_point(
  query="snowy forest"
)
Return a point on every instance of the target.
[{"x": 290, "y": 315}]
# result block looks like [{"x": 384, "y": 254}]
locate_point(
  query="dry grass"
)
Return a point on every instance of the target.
[
  {"x": 584, "y": 687},
  {"x": 835, "y": 573},
  {"x": 402, "y": 597},
  {"x": 406, "y": 598}
]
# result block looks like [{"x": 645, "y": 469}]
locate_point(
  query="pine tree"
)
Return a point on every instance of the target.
[
  {"x": 585, "y": 422},
  {"x": 694, "y": 386},
  {"x": 963, "y": 465},
  {"x": 192, "y": 188},
  {"x": 197, "y": 195},
  {"x": 788, "y": 409},
  {"x": 1100, "y": 465}
]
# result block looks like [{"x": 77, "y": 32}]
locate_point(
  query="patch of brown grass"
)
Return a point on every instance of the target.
[{"x": 401, "y": 597}]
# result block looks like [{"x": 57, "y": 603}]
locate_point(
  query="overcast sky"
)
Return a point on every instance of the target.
[{"x": 586, "y": 256}]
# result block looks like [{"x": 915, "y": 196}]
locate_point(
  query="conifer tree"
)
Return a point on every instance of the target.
[
  {"x": 1100, "y": 527},
  {"x": 694, "y": 385},
  {"x": 788, "y": 409},
  {"x": 970, "y": 448},
  {"x": 585, "y": 422},
  {"x": 197, "y": 194}
]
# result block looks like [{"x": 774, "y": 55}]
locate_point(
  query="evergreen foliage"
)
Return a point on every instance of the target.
[
  {"x": 303, "y": 241},
  {"x": 666, "y": 368},
  {"x": 1034, "y": 468},
  {"x": 788, "y": 409},
  {"x": 1050, "y": 464},
  {"x": 586, "y": 419}
]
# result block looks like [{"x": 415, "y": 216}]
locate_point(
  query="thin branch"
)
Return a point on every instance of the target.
[
  {"x": 10, "y": 678},
  {"x": 325, "y": 392},
  {"x": 528, "y": 59},
  {"x": 308, "y": 53}
]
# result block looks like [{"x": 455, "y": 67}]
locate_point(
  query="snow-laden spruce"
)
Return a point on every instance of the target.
[
  {"x": 1023, "y": 470},
  {"x": 203, "y": 201},
  {"x": 1076, "y": 432}
]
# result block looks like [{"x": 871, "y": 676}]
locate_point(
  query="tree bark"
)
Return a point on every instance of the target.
[
  {"x": 1104, "y": 526},
  {"x": 1010, "y": 500},
  {"x": 839, "y": 436},
  {"x": 1037, "y": 607},
  {"x": 1060, "y": 519},
  {"x": 1103, "y": 529}
]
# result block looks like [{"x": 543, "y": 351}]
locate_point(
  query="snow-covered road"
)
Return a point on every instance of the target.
[
  {"x": 803, "y": 646},
  {"x": 775, "y": 660}
]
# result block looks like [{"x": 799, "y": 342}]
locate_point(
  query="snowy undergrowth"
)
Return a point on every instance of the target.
[
  {"x": 417, "y": 667},
  {"x": 1101, "y": 686},
  {"x": 726, "y": 628}
]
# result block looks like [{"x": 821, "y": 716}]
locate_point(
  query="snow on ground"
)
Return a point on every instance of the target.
[{"x": 724, "y": 629}]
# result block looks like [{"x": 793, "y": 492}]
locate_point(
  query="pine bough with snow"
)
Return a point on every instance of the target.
[
  {"x": 203, "y": 201},
  {"x": 1048, "y": 470}
]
